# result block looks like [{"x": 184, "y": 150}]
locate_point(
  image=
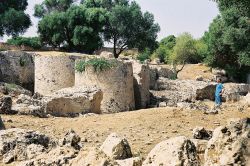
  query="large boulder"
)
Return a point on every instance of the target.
[
  {"x": 229, "y": 144},
  {"x": 141, "y": 85},
  {"x": 5, "y": 105},
  {"x": 92, "y": 157},
  {"x": 27, "y": 105},
  {"x": 176, "y": 91},
  {"x": 73, "y": 101},
  {"x": 17, "y": 67},
  {"x": 234, "y": 91},
  {"x": 116, "y": 147},
  {"x": 19, "y": 144},
  {"x": 174, "y": 151}
]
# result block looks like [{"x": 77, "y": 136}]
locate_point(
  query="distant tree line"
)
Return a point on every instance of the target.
[
  {"x": 225, "y": 45},
  {"x": 85, "y": 27}
]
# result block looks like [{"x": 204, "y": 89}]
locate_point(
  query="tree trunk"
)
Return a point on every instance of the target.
[{"x": 114, "y": 49}]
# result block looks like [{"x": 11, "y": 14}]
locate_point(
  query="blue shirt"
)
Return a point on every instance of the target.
[{"x": 219, "y": 88}]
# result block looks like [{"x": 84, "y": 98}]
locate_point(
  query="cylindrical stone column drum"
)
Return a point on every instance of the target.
[
  {"x": 116, "y": 84},
  {"x": 53, "y": 72}
]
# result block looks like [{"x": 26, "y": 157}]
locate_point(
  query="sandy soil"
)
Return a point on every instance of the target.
[{"x": 143, "y": 129}]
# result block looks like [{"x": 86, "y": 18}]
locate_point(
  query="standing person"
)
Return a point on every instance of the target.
[{"x": 218, "y": 93}]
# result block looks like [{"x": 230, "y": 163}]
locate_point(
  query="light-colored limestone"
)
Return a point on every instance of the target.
[
  {"x": 116, "y": 84},
  {"x": 141, "y": 84},
  {"x": 53, "y": 73},
  {"x": 174, "y": 151},
  {"x": 76, "y": 100},
  {"x": 116, "y": 147},
  {"x": 229, "y": 144}
]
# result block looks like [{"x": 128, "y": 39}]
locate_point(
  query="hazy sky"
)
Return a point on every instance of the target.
[{"x": 174, "y": 16}]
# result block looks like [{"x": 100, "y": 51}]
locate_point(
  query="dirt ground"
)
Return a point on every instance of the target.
[{"x": 143, "y": 128}]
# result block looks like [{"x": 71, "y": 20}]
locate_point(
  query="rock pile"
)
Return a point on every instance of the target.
[{"x": 227, "y": 145}]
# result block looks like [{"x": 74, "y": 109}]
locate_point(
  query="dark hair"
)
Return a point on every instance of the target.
[{"x": 219, "y": 79}]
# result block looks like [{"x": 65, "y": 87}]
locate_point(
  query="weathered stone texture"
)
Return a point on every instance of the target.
[
  {"x": 17, "y": 67},
  {"x": 141, "y": 85},
  {"x": 174, "y": 151},
  {"x": 115, "y": 83},
  {"x": 76, "y": 100},
  {"x": 53, "y": 73}
]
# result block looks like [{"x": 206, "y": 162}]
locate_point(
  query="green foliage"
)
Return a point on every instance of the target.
[
  {"x": 184, "y": 51},
  {"x": 33, "y": 42},
  {"x": 99, "y": 64},
  {"x": 75, "y": 27},
  {"x": 165, "y": 48},
  {"x": 126, "y": 26},
  {"x": 13, "y": 19},
  {"x": 144, "y": 55},
  {"x": 10, "y": 87},
  {"x": 228, "y": 37},
  {"x": 23, "y": 61}
]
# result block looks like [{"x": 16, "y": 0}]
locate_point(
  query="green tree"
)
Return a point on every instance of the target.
[
  {"x": 184, "y": 52},
  {"x": 75, "y": 27},
  {"x": 165, "y": 48},
  {"x": 13, "y": 20},
  {"x": 127, "y": 26},
  {"x": 228, "y": 38}
]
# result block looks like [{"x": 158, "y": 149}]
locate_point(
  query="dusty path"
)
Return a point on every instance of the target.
[{"x": 143, "y": 129}]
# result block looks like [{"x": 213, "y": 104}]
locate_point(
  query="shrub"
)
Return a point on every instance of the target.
[
  {"x": 33, "y": 42},
  {"x": 99, "y": 64},
  {"x": 144, "y": 55}
]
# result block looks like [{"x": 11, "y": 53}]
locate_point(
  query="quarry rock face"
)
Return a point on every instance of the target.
[
  {"x": 72, "y": 101},
  {"x": 116, "y": 147},
  {"x": 156, "y": 72},
  {"x": 17, "y": 67},
  {"x": 174, "y": 151},
  {"x": 141, "y": 85},
  {"x": 53, "y": 73},
  {"x": 116, "y": 83},
  {"x": 229, "y": 144}
]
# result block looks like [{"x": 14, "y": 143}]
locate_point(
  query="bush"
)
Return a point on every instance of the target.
[
  {"x": 33, "y": 42},
  {"x": 99, "y": 64},
  {"x": 144, "y": 55}
]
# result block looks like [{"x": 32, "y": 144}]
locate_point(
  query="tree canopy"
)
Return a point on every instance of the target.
[
  {"x": 229, "y": 35},
  {"x": 13, "y": 19},
  {"x": 165, "y": 48},
  {"x": 126, "y": 26},
  {"x": 75, "y": 27}
]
